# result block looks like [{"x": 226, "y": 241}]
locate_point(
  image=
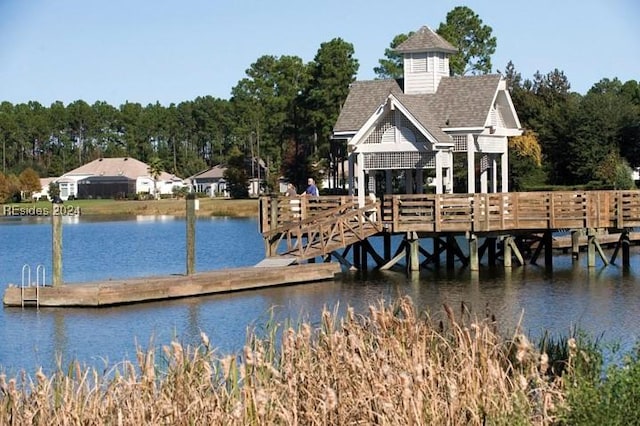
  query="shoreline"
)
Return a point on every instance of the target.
[{"x": 208, "y": 207}]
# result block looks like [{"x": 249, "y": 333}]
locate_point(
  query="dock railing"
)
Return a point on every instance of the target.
[{"x": 492, "y": 212}]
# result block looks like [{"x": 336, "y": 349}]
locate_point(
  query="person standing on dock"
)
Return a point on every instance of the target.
[
  {"x": 291, "y": 190},
  {"x": 312, "y": 189}
]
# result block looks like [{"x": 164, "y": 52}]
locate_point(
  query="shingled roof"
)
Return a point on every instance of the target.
[
  {"x": 363, "y": 99},
  {"x": 425, "y": 40},
  {"x": 119, "y": 166},
  {"x": 459, "y": 102}
]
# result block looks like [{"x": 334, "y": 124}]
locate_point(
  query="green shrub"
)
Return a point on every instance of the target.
[{"x": 597, "y": 396}]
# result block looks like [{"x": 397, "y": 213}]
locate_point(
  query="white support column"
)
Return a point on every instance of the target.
[
  {"x": 494, "y": 173},
  {"x": 419, "y": 181},
  {"x": 352, "y": 177},
  {"x": 504, "y": 169},
  {"x": 484, "y": 172},
  {"x": 360, "y": 180},
  {"x": 439, "y": 172},
  {"x": 449, "y": 186},
  {"x": 471, "y": 164}
]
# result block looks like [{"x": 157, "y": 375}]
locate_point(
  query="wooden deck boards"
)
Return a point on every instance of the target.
[{"x": 136, "y": 290}]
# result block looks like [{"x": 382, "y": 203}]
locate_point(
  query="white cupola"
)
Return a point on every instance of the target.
[{"x": 425, "y": 61}]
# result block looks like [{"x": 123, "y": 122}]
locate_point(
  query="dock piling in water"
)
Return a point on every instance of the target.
[
  {"x": 191, "y": 232},
  {"x": 56, "y": 245}
]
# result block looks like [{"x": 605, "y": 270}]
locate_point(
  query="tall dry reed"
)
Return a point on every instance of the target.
[{"x": 389, "y": 367}]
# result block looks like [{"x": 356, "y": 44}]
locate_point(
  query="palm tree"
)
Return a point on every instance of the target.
[{"x": 155, "y": 170}]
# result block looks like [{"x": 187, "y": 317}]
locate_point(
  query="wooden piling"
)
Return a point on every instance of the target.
[
  {"x": 191, "y": 232},
  {"x": 548, "y": 250},
  {"x": 414, "y": 256},
  {"x": 56, "y": 245},
  {"x": 591, "y": 247},
  {"x": 474, "y": 262},
  {"x": 575, "y": 244},
  {"x": 625, "y": 249}
]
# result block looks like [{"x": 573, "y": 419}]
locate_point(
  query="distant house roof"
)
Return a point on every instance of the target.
[
  {"x": 215, "y": 172},
  {"x": 119, "y": 166},
  {"x": 424, "y": 40},
  {"x": 44, "y": 182}
]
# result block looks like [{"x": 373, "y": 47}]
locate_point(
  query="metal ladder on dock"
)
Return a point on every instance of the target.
[{"x": 29, "y": 290}]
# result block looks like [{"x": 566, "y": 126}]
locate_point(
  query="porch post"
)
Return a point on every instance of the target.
[
  {"x": 360, "y": 183},
  {"x": 449, "y": 185},
  {"x": 351, "y": 174},
  {"x": 471, "y": 164},
  {"x": 484, "y": 171},
  {"x": 494, "y": 173},
  {"x": 504, "y": 169},
  {"x": 438, "y": 172}
]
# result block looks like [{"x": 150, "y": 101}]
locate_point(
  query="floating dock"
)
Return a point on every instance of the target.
[{"x": 137, "y": 290}]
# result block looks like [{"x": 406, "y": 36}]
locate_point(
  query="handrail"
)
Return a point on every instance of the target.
[
  {"x": 325, "y": 214},
  {"x": 27, "y": 283},
  {"x": 487, "y": 212}
]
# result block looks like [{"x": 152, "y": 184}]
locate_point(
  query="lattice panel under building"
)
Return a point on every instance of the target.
[
  {"x": 399, "y": 160},
  {"x": 484, "y": 163},
  {"x": 460, "y": 143}
]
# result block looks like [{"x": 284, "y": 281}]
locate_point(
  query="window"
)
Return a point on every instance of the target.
[
  {"x": 441, "y": 60},
  {"x": 418, "y": 62}
]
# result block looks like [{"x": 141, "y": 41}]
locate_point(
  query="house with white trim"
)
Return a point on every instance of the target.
[
  {"x": 404, "y": 133},
  {"x": 123, "y": 172},
  {"x": 210, "y": 181}
]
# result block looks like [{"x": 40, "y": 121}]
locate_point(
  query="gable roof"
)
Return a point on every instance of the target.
[
  {"x": 363, "y": 99},
  {"x": 425, "y": 40},
  {"x": 463, "y": 101},
  {"x": 215, "y": 172},
  {"x": 119, "y": 166},
  {"x": 459, "y": 102}
]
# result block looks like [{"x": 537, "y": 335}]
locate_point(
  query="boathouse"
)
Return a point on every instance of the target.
[
  {"x": 404, "y": 133},
  {"x": 403, "y": 139}
]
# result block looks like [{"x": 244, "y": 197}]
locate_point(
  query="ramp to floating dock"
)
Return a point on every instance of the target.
[
  {"x": 277, "y": 261},
  {"x": 137, "y": 290}
]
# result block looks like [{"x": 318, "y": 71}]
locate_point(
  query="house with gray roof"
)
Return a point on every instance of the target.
[
  {"x": 118, "y": 176},
  {"x": 210, "y": 181},
  {"x": 404, "y": 133}
]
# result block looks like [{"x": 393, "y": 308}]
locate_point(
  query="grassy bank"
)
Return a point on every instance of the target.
[
  {"x": 173, "y": 207},
  {"x": 394, "y": 366}
]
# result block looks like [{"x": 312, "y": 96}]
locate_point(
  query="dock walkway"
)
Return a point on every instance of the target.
[
  {"x": 331, "y": 226},
  {"x": 136, "y": 290}
]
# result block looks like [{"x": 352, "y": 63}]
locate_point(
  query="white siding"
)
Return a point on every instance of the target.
[
  {"x": 492, "y": 144},
  {"x": 423, "y": 71}
]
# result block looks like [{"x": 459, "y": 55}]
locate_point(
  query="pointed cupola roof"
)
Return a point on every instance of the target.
[{"x": 425, "y": 40}]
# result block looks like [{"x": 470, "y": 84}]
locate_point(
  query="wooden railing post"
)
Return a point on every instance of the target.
[{"x": 274, "y": 212}]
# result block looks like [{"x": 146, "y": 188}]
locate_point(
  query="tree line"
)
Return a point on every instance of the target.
[{"x": 284, "y": 109}]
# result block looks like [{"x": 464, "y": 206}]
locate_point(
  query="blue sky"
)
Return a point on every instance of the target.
[{"x": 171, "y": 51}]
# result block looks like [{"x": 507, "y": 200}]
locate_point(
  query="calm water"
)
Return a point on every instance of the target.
[{"x": 602, "y": 301}]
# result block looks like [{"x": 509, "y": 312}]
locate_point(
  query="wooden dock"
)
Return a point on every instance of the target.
[
  {"x": 136, "y": 290},
  {"x": 509, "y": 224}
]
